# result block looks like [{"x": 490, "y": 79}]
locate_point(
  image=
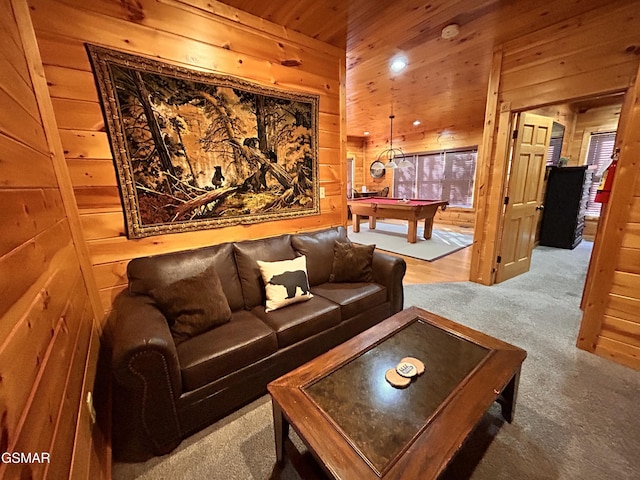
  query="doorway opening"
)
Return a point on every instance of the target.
[{"x": 579, "y": 147}]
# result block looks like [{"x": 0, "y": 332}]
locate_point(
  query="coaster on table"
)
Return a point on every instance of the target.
[
  {"x": 406, "y": 369},
  {"x": 396, "y": 380},
  {"x": 415, "y": 362}
]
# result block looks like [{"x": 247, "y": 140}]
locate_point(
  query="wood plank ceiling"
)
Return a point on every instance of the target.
[{"x": 445, "y": 83}]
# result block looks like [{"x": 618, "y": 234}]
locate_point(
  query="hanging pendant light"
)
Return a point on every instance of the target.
[
  {"x": 404, "y": 163},
  {"x": 387, "y": 157}
]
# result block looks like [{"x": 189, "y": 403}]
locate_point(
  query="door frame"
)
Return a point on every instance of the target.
[
  {"x": 492, "y": 167},
  {"x": 494, "y": 157}
]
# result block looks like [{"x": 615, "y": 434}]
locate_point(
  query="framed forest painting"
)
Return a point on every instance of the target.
[{"x": 195, "y": 150}]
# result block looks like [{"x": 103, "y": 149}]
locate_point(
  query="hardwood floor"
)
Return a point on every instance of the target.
[{"x": 452, "y": 268}]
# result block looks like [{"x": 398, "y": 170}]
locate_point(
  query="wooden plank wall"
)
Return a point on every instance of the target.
[
  {"x": 600, "y": 119},
  {"x": 611, "y": 322},
  {"x": 570, "y": 60},
  {"x": 579, "y": 58},
  {"x": 418, "y": 142},
  {"x": 184, "y": 33},
  {"x": 619, "y": 338},
  {"x": 48, "y": 345}
]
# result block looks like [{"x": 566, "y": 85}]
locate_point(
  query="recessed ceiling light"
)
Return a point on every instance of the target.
[
  {"x": 398, "y": 64},
  {"x": 416, "y": 123},
  {"x": 365, "y": 133}
]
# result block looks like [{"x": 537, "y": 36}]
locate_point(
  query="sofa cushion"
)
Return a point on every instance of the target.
[
  {"x": 285, "y": 282},
  {"x": 147, "y": 273},
  {"x": 353, "y": 298},
  {"x": 352, "y": 263},
  {"x": 318, "y": 248},
  {"x": 224, "y": 350},
  {"x": 247, "y": 253},
  {"x": 193, "y": 305},
  {"x": 301, "y": 320}
]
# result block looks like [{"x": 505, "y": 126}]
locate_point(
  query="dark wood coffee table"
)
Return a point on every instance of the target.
[{"x": 360, "y": 427}]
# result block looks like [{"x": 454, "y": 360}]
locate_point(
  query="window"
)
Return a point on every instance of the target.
[
  {"x": 448, "y": 175},
  {"x": 598, "y": 158},
  {"x": 555, "y": 147},
  {"x": 350, "y": 165},
  {"x": 555, "y": 144}
]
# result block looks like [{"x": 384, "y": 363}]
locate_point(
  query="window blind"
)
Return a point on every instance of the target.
[
  {"x": 553, "y": 153},
  {"x": 447, "y": 175},
  {"x": 598, "y": 157},
  {"x": 404, "y": 179}
]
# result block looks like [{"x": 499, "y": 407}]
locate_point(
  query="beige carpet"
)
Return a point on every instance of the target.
[
  {"x": 392, "y": 237},
  {"x": 576, "y": 417}
]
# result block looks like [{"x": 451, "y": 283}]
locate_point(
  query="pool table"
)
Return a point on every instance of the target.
[{"x": 411, "y": 210}]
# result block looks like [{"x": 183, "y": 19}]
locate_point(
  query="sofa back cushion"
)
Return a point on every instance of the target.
[
  {"x": 248, "y": 253},
  {"x": 148, "y": 273},
  {"x": 193, "y": 305},
  {"x": 352, "y": 263},
  {"x": 318, "y": 248}
]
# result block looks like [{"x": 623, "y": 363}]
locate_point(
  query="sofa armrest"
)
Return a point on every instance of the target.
[
  {"x": 389, "y": 271},
  {"x": 147, "y": 376}
]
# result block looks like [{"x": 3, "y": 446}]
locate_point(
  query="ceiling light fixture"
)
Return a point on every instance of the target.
[
  {"x": 416, "y": 123},
  {"x": 386, "y": 158},
  {"x": 398, "y": 64}
]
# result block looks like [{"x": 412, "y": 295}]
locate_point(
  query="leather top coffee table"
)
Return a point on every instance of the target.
[{"x": 360, "y": 427}]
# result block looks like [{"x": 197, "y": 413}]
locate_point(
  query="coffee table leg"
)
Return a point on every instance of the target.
[
  {"x": 508, "y": 398},
  {"x": 281, "y": 430}
]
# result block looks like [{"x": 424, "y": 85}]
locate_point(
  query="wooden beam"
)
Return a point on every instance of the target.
[{"x": 478, "y": 268}]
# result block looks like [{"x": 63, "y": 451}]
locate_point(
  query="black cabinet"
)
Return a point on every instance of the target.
[{"x": 565, "y": 206}]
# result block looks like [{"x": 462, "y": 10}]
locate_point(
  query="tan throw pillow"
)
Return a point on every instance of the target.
[
  {"x": 285, "y": 282},
  {"x": 352, "y": 263},
  {"x": 193, "y": 305}
]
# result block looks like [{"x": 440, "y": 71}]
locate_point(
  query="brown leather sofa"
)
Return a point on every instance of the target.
[{"x": 164, "y": 392}]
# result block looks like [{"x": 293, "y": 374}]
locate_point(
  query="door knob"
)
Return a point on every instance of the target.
[{"x": 540, "y": 207}]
